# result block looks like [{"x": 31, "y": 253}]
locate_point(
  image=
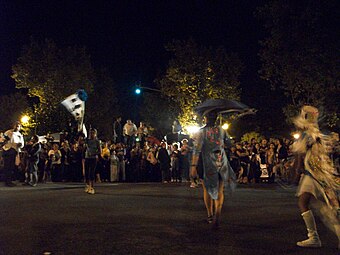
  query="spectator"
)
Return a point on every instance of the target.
[
  {"x": 114, "y": 177},
  {"x": 65, "y": 161},
  {"x": 142, "y": 133},
  {"x": 165, "y": 162},
  {"x": 105, "y": 162},
  {"x": 75, "y": 160},
  {"x": 234, "y": 161},
  {"x": 33, "y": 160},
  {"x": 117, "y": 131},
  {"x": 184, "y": 160},
  {"x": 175, "y": 170},
  {"x": 129, "y": 131},
  {"x": 244, "y": 160},
  {"x": 152, "y": 165},
  {"x": 55, "y": 160},
  {"x": 135, "y": 159},
  {"x": 120, "y": 153},
  {"x": 271, "y": 161},
  {"x": 263, "y": 150},
  {"x": 11, "y": 149}
]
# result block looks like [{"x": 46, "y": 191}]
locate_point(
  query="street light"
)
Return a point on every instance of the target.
[
  {"x": 225, "y": 126},
  {"x": 296, "y": 136},
  {"x": 25, "y": 119},
  {"x": 139, "y": 89}
]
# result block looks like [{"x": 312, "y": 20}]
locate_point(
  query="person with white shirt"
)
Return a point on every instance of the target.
[
  {"x": 129, "y": 131},
  {"x": 11, "y": 149}
]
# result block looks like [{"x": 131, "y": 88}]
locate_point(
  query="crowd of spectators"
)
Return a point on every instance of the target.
[{"x": 131, "y": 157}]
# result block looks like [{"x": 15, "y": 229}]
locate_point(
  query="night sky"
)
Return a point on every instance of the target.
[{"x": 128, "y": 37}]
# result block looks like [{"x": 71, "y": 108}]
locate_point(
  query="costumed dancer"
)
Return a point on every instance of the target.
[
  {"x": 91, "y": 157},
  {"x": 217, "y": 172},
  {"x": 318, "y": 184}
]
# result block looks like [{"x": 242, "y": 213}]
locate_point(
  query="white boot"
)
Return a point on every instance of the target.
[{"x": 313, "y": 240}]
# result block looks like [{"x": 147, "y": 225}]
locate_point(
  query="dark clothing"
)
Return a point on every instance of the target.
[
  {"x": 90, "y": 169},
  {"x": 234, "y": 162},
  {"x": 9, "y": 163},
  {"x": 33, "y": 152},
  {"x": 65, "y": 164},
  {"x": 117, "y": 132},
  {"x": 76, "y": 165},
  {"x": 282, "y": 153},
  {"x": 33, "y": 158},
  {"x": 164, "y": 164}
]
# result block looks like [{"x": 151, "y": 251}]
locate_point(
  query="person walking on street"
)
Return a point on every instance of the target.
[
  {"x": 91, "y": 156},
  {"x": 215, "y": 168}
]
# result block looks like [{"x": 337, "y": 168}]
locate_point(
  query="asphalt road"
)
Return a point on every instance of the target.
[{"x": 151, "y": 218}]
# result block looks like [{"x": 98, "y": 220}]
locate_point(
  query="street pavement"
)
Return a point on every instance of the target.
[{"x": 151, "y": 218}]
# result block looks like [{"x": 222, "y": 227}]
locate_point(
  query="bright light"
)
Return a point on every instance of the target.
[
  {"x": 296, "y": 136},
  {"x": 138, "y": 91},
  {"x": 25, "y": 119},
  {"x": 192, "y": 129},
  {"x": 225, "y": 126}
]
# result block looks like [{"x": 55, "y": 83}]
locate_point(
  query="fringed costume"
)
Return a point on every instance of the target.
[{"x": 317, "y": 176}]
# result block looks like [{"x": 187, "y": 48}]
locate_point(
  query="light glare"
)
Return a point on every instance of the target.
[
  {"x": 225, "y": 126},
  {"x": 296, "y": 136},
  {"x": 25, "y": 119}
]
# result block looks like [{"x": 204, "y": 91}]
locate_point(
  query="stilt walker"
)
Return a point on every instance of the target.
[{"x": 318, "y": 184}]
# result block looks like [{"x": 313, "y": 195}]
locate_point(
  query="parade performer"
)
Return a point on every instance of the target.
[
  {"x": 11, "y": 149},
  {"x": 209, "y": 153},
  {"x": 318, "y": 184},
  {"x": 91, "y": 157}
]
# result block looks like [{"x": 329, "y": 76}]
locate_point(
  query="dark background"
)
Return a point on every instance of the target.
[{"x": 128, "y": 38}]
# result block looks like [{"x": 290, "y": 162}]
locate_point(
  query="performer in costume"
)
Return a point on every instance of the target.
[
  {"x": 318, "y": 184},
  {"x": 209, "y": 145},
  {"x": 11, "y": 149},
  {"x": 91, "y": 156}
]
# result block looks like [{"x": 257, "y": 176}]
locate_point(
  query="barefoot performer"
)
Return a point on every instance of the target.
[{"x": 318, "y": 184}]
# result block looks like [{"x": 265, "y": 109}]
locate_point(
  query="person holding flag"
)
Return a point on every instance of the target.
[{"x": 75, "y": 104}]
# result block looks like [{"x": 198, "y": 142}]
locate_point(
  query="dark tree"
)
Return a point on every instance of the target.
[
  {"x": 51, "y": 74},
  {"x": 301, "y": 53},
  {"x": 196, "y": 73}
]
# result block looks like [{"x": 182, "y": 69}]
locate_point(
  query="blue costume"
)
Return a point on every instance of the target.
[{"x": 209, "y": 145}]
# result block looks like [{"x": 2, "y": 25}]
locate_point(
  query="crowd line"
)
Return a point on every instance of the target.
[{"x": 131, "y": 157}]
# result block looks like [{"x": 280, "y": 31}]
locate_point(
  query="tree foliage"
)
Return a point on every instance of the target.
[
  {"x": 250, "y": 135},
  {"x": 102, "y": 105},
  {"x": 12, "y": 107},
  {"x": 51, "y": 74},
  {"x": 300, "y": 55},
  {"x": 196, "y": 73},
  {"x": 159, "y": 113}
]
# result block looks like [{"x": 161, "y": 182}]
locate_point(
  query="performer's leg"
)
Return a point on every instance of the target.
[
  {"x": 304, "y": 201},
  {"x": 218, "y": 203},
  {"x": 313, "y": 240},
  {"x": 208, "y": 204}
]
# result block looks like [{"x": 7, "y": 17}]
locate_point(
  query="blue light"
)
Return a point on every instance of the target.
[{"x": 138, "y": 91}]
